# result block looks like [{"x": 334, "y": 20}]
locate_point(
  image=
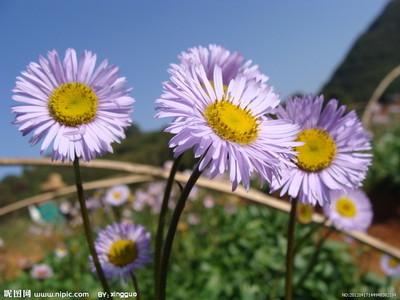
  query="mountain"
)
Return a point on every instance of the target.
[{"x": 374, "y": 54}]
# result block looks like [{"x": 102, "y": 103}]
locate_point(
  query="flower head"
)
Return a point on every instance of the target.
[
  {"x": 41, "y": 271},
  {"x": 390, "y": 265},
  {"x": 78, "y": 108},
  {"x": 349, "y": 210},
  {"x": 61, "y": 251},
  {"x": 331, "y": 156},
  {"x": 219, "y": 105},
  {"x": 122, "y": 248},
  {"x": 209, "y": 201},
  {"x": 305, "y": 213},
  {"x": 231, "y": 64},
  {"x": 117, "y": 195},
  {"x": 26, "y": 263}
]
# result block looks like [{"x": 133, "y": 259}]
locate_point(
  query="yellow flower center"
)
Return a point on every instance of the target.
[
  {"x": 394, "y": 263},
  {"x": 73, "y": 104},
  {"x": 346, "y": 207},
  {"x": 305, "y": 213},
  {"x": 122, "y": 252},
  {"x": 117, "y": 195},
  {"x": 231, "y": 122},
  {"x": 318, "y": 151}
]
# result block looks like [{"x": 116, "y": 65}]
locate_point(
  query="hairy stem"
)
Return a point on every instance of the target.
[
  {"x": 161, "y": 220},
  {"x": 166, "y": 253},
  {"x": 290, "y": 252},
  {"x": 88, "y": 228}
]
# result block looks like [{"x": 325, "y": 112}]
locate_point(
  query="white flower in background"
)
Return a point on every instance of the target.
[
  {"x": 65, "y": 207},
  {"x": 193, "y": 219},
  {"x": 61, "y": 251},
  {"x": 117, "y": 195},
  {"x": 208, "y": 201}
]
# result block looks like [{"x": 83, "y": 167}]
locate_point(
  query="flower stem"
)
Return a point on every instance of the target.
[
  {"x": 136, "y": 285},
  {"x": 161, "y": 220},
  {"x": 290, "y": 252},
  {"x": 166, "y": 253},
  {"x": 88, "y": 229}
]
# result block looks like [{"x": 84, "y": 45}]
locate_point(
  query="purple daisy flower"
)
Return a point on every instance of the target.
[
  {"x": 219, "y": 105},
  {"x": 70, "y": 104},
  {"x": 390, "y": 265},
  {"x": 42, "y": 271},
  {"x": 349, "y": 210},
  {"x": 332, "y": 156},
  {"x": 122, "y": 248},
  {"x": 231, "y": 64}
]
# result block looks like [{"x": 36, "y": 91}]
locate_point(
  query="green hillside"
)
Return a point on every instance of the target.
[{"x": 374, "y": 54}]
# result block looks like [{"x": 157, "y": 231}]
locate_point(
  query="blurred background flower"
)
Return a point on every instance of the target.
[{"x": 349, "y": 210}]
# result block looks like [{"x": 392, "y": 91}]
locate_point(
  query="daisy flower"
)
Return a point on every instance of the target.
[
  {"x": 215, "y": 55},
  {"x": 305, "y": 213},
  {"x": 41, "y": 271},
  {"x": 117, "y": 195},
  {"x": 208, "y": 201},
  {"x": 61, "y": 251},
  {"x": 26, "y": 263},
  {"x": 390, "y": 265},
  {"x": 349, "y": 210},
  {"x": 332, "y": 156},
  {"x": 219, "y": 104},
  {"x": 122, "y": 248},
  {"x": 77, "y": 108}
]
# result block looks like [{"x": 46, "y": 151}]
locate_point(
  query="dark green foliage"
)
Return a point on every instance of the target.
[
  {"x": 383, "y": 180},
  {"x": 238, "y": 255},
  {"x": 372, "y": 57}
]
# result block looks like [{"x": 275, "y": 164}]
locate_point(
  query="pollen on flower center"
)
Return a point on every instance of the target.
[
  {"x": 305, "y": 213},
  {"x": 346, "y": 207},
  {"x": 318, "y": 151},
  {"x": 394, "y": 263},
  {"x": 73, "y": 104},
  {"x": 122, "y": 252},
  {"x": 232, "y": 122}
]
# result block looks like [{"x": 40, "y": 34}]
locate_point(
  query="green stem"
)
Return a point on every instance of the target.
[
  {"x": 166, "y": 253},
  {"x": 136, "y": 285},
  {"x": 290, "y": 252},
  {"x": 88, "y": 229},
  {"x": 161, "y": 220}
]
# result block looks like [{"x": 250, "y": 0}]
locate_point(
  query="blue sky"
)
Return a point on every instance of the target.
[{"x": 298, "y": 44}]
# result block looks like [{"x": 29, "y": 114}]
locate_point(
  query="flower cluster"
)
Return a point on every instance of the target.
[{"x": 223, "y": 109}]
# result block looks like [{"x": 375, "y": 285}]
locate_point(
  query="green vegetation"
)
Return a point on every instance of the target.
[
  {"x": 235, "y": 253},
  {"x": 373, "y": 55}
]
